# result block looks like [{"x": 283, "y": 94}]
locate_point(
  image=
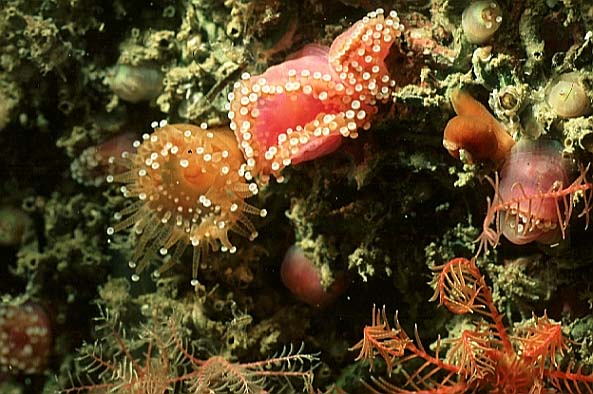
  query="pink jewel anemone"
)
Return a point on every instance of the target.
[{"x": 300, "y": 110}]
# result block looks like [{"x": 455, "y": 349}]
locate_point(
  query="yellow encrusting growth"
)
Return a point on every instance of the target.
[{"x": 190, "y": 189}]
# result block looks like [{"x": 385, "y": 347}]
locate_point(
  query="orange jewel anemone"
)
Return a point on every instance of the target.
[{"x": 190, "y": 189}]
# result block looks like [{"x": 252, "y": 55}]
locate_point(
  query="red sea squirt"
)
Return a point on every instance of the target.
[
  {"x": 303, "y": 279},
  {"x": 533, "y": 200},
  {"x": 533, "y": 168},
  {"x": 25, "y": 338},
  {"x": 300, "y": 110}
]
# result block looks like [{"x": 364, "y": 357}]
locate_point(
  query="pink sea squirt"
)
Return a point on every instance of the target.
[
  {"x": 300, "y": 275},
  {"x": 532, "y": 169},
  {"x": 534, "y": 199}
]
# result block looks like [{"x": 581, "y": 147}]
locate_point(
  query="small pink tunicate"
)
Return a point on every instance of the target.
[
  {"x": 25, "y": 338},
  {"x": 303, "y": 279},
  {"x": 114, "y": 147},
  {"x": 105, "y": 158},
  {"x": 531, "y": 173}
]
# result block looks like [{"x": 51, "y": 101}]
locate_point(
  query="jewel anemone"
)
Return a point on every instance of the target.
[{"x": 190, "y": 189}]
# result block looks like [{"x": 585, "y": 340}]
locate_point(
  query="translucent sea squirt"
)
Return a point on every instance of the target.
[
  {"x": 480, "y": 20},
  {"x": 567, "y": 96},
  {"x": 189, "y": 187},
  {"x": 533, "y": 200},
  {"x": 532, "y": 169},
  {"x": 135, "y": 83}
]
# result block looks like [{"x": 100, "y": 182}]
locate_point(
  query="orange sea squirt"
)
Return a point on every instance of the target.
[
  {"x": 475, "y": 131},
  {"x": 190, "y": 189}
]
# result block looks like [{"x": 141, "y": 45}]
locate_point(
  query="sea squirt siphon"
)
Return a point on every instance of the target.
[{"x": 475, "y": 131}]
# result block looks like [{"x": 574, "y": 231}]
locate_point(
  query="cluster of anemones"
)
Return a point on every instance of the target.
[
  {"x": 299, "y": 110},
  {"x": 190, "y": 182}
]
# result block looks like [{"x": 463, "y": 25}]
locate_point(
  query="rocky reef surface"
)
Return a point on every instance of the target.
[{"x": 394, "y": 170}]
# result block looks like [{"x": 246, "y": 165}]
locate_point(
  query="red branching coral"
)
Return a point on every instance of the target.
[
  {"x": 300, "y": 109},
  {"x": 484, "y": 358},
  {"x": 189, "y": 187},
  {"x": 533, "y": 200}
]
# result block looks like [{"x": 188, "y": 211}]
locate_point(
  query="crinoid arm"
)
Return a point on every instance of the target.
[
  {"x": 472, "y": 353},
  {"x": 490, "y": 236},
  {"x": 395, "y": 347},
  {"x": 382, "y": 340},
  {"x": 461, "y": 288},
  {"x": 571, "y": 380},
  {"x": 584, "y": 190},
  {"x": 275, "y": 374},
  {"x": 540, "y": 341},
  {"x": 120, "y": 363}
]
